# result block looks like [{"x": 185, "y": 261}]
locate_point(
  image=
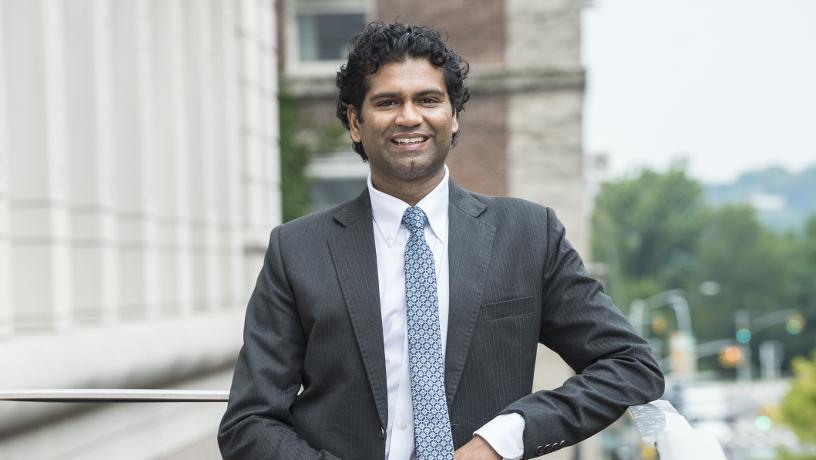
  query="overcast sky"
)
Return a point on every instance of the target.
[{"x": 729, "y": 85}]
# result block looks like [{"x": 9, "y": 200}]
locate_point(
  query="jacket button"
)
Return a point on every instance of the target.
[
  {"x": 382, "y": 432},
  {"x": 540, "y": 450}
]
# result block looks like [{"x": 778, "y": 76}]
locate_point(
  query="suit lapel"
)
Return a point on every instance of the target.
[
  {"x": 355, "y": 260},
  {"x": 470, "y": 242}
]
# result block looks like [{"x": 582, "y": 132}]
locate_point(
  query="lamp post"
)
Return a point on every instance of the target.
[{"x": 682, "y": 354}]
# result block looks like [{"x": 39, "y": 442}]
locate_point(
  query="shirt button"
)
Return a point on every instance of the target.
[{"x": 403, "y": 426}]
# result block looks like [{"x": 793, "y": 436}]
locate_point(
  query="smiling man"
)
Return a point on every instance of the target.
[{"x": 404, "y": 323}]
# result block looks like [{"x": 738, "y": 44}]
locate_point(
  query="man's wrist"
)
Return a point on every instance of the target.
[{"x": 505, "y": 435}]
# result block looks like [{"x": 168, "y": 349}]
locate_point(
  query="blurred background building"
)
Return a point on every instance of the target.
[{"x": 139, "y": 179}]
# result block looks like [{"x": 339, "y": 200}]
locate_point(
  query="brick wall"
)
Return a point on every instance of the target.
[
  {"x": 479, "y": 160},
  {"x": 475, "y": 27}
]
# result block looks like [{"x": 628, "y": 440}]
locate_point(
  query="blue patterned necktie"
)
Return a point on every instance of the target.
[{"x": 432, "y": 430}]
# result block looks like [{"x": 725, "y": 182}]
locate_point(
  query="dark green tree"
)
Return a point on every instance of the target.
[
  {"x": 750, "y": 263},
  {"x": 294, "y": 156},
  {"x": 301, "y": 138},
  {"x": 655, "y": 232},
  {"x": 645, "y": 229}
]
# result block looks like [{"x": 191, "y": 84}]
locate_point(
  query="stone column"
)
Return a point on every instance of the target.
[
  {"x": 545, "y": 151},
  {"x": 268, "y": 88},
  {"x": 91, "y": 149},
  {"x": 238, "y": 285},
  {"x": 251, "y": 145},
  {"x": 136, "y": 165},
  {"x": 38, "y": 190},
  {"x": 5, "y": 246},
  {"x": 172, "y": 146},
  {"x": 206, "y": 188}
]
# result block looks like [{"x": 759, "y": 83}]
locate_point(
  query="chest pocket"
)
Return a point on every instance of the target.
[{"x": 508, "y": 308}]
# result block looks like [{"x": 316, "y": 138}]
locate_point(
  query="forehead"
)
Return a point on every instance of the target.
[{"x": 413, "y": 75}]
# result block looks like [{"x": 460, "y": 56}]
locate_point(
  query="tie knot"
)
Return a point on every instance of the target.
[{"x": 414, "y": 219}]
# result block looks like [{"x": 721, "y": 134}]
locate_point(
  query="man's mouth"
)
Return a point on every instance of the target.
[{"x": 409, "y": 139}]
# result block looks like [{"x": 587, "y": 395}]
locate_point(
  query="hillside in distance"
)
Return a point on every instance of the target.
[{"x": 783, "y": 199}]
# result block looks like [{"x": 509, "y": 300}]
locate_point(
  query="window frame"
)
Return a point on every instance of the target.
[{"x": 296, "y": 67}]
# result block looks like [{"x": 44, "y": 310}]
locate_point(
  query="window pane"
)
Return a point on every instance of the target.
[
  {"x": 324, "y": 37},
  {"x": 325, "y": 193}
]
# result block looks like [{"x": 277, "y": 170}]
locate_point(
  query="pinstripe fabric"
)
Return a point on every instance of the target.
[{"x": 515, "y": 281}]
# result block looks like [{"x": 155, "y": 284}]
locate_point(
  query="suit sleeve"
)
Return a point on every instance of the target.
[
  {"x": 258, "y": 422},
  {"x": 614, "y": 366}
]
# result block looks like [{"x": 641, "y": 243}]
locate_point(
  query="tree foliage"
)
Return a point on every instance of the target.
[
  {"x": 799, "y": 404},
  {"x": 646, "y": 229},
  {"x": 301, "y": 138},
  {"x": 656, "y": 232},
  {"x": 294, "y": 156}
]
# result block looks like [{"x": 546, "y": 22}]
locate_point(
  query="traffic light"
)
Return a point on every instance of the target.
[
  {"x": 743, "y": 335},
  {"x": 731, "y": 356},
  {"x": 795, "y": 323},
  {"x": 742, "y": 320}
]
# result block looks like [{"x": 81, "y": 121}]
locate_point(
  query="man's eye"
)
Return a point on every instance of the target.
[
  {"x": 428, "y": 100},
  {"x": 385, "y": 103}
]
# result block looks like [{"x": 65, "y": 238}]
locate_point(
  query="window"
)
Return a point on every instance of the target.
[
  {"x": 334, "y": 178},
  {"x": 320, "y": 30}
]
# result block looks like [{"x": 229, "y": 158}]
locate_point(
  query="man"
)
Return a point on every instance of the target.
[{"x": 404, "y": 323}]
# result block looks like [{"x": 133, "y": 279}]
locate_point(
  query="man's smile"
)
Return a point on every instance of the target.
[{"x": 409, "y": 141}]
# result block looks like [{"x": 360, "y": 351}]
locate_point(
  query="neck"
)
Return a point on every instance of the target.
[{"x": 411, "y": 191}]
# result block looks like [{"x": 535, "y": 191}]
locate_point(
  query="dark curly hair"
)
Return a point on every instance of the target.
[{"x": 379, "y": 44}]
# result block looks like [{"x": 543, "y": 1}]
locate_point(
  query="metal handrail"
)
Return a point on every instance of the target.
[
  {"x": 115, "y": 395},
  {"x": 659, "y": 423},
  {"x": 661, "y": 426}
]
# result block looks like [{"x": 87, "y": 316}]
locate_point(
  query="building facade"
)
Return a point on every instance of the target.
[{"x": 139, "y": 179}]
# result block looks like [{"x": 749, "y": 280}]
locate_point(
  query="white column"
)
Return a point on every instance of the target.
[
  {"x": 182, "y": 156},
  {"x": 136, "y": 166},
  {"x": 256, "y": 229},
  {"x": 91, "y": 149},
  {"x": 238, "y": 285},
  {"x": 209, "y": 286},
  {"x": 5, "y": 247},
  {"x": 37, "y": 157},
  {"x": 268, "y": 88},
  {"x": 172, "y": 147}
]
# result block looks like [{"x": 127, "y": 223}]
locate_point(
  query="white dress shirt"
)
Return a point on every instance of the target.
[{"x": 504, "y": 433}]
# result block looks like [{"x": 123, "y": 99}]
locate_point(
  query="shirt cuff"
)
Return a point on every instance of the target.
[{"x": 505, "y": 434}]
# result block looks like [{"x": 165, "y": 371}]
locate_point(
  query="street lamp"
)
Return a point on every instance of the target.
[{"x": 682, "y": 343}]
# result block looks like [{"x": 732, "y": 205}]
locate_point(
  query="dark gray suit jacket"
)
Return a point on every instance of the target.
[{"x": 314, "y": 321}]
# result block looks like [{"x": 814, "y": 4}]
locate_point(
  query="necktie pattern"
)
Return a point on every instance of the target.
[{"x": 432, "y": 430}]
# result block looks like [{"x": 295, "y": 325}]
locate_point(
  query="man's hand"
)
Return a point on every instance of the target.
[{"x": 477, "y": 449}]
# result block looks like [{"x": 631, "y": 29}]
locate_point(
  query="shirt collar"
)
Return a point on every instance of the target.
[{"x": 387, "y": 210}]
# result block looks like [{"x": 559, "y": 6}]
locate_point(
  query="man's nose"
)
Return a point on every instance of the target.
[{"x": 409, "y": 115}]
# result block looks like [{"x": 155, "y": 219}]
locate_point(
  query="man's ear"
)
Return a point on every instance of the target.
[
  {"x": 354, "y": 123},
  {"x": 455, "y": 124}
]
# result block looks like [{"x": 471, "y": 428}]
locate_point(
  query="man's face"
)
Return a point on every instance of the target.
[{"x": 407, "y": 122}]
